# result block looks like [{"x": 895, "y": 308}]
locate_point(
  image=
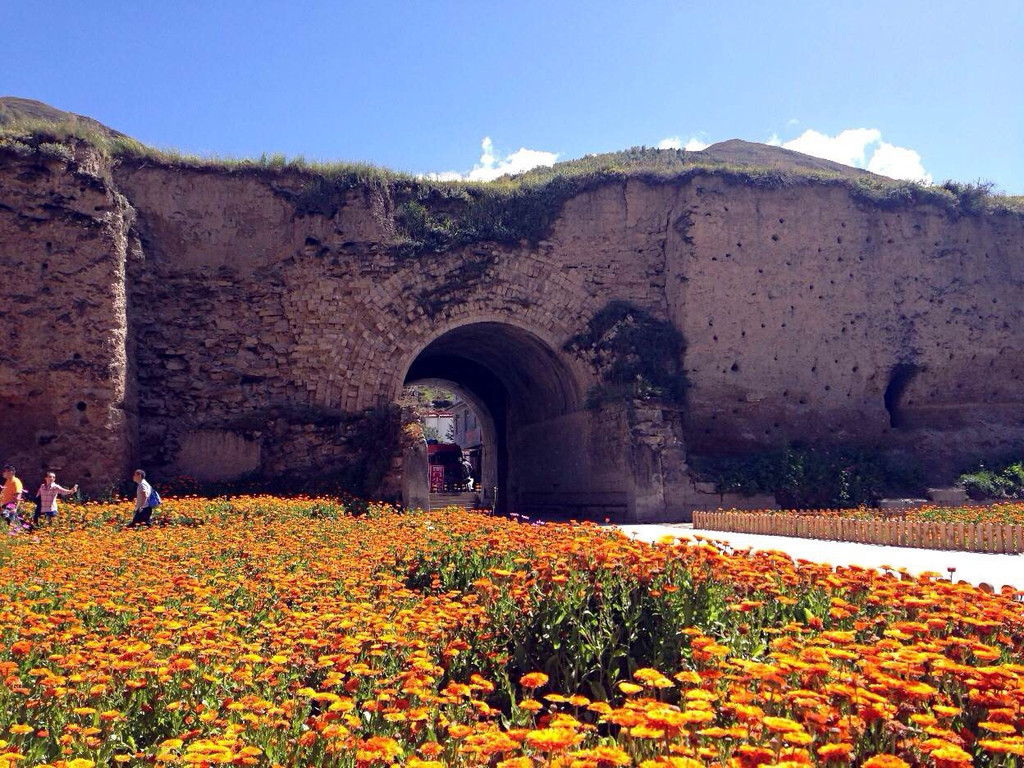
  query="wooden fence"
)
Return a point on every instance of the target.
[{"x": 898, "y": 532}]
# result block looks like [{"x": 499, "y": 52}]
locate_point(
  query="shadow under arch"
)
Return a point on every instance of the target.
[{"x": 532, "y": 400}]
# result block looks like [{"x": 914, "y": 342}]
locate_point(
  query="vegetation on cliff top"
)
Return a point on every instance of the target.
[{"x": 432, "y": 215}]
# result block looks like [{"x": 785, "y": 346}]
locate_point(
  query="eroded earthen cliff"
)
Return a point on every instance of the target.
[{"x": 165, "y": 314}]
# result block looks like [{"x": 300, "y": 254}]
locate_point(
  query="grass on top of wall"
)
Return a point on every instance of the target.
[{"x": 431, "y": 215}]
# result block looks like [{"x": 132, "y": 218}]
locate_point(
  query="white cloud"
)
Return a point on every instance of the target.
[
  {"x": 492, "y": 164},
  {"x": 446, "y": 176},
  {"x": 898, "y": 163},
  {"x": 693, "y": 144},
  {"x": 860, "y": 148},
  {"x": 847, "y": 147}
]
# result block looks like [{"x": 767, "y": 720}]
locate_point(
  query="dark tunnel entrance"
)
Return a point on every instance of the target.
[{"x": 529, "y": 402}]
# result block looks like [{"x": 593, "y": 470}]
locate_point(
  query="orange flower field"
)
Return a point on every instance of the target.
[{"x": 266, "y": 631}]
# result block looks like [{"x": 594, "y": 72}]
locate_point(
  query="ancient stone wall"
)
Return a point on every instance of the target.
[
  {"x": 66, "y": 391},
  {"x": 813, "y": 304},
  {"x": 237, "y": 314}
]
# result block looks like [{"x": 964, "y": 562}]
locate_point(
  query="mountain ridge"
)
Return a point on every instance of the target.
[{"x": 15, "y": 109}]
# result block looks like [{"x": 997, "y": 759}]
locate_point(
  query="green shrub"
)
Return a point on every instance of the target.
[
  {"x": 57, "y": 150},
  {"x": 812, "y": 478},
  {"x": 639, "y": 356},
  {"x": 1004, "y": 483},
  {"x": 972, "y": 198}
]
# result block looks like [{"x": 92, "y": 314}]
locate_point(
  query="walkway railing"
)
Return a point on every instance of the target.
[{"x": 1001, "y": 538}]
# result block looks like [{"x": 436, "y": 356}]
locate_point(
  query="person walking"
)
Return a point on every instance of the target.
[
  {"x": 10, "y": 495},
  {"x": 47, "y": 494},
  {"x": 143, "y": 501}
]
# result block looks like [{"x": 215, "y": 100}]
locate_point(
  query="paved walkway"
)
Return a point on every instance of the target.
[{"x": 973, "y": 567}]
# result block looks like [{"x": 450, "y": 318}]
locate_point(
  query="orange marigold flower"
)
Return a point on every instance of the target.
[
  {"x": 645, "y": 731},
  {"x": 797, "y": 738},
  {"x": 750, "y": 756},
  {"x": 378, "y": 748},
  {"x": 1003, "y": 746},
  {"x": 951, "y": 755},
  {"x": 627, "y": 718},
  {"x": 885, "y": 761},
  {"x": 603, "y": 756},
  {"x": 533, "y": 680},
  {"x": 517, "y": 762},
  {"x": 21, "y": 648},
  {"x": 673, "y": 761},
  {"x": 647, "y": 675},
  {"x": 688, "y": 677},
  {"x": 995, "y": 727},
  {"x": 552, "y": 739},
  {"x": 748, "y": 713},
  {"x": 781, "y": 724},
  {"x": 841, "y": 751},
  {"x": 431, "y": 749}
]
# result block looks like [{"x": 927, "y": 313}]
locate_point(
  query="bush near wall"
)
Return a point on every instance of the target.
[
  {"x": 1007, "y": 482},
  {"x": 810, "y": 478}
]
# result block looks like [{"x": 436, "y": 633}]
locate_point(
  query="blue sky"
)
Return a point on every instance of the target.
[{"x": 930, "y": 89}]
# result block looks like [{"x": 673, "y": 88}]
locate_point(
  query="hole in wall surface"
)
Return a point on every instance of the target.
[{"x": 899, "y": 379}]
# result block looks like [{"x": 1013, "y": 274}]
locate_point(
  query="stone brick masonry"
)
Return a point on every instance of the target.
[{"x": 160, "y": 315}]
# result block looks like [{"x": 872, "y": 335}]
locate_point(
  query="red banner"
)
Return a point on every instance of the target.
[{"x": 436, "y": 478}]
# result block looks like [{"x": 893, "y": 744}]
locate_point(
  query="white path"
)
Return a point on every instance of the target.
[{"x": 974, "y": 567}]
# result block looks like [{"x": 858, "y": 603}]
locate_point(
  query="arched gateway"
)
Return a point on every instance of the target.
[{"x": 540, "y": 455}]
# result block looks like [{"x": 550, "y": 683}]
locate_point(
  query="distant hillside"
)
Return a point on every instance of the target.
[
  {"x": 735, "y": 152},
  {"x": 15, "y": 110},
  {"x": 739, "y": 152}
]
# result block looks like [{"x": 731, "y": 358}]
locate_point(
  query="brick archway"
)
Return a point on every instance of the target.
[{"x": 533, "y": 401}]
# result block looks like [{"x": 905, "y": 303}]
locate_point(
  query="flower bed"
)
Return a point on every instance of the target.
[
  {"x": 269, "y": 631},
  {"x": 996, "y": 528}
]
